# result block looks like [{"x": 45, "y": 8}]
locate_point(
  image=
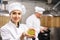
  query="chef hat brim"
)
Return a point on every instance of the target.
[{"x": 16, "y": 6}]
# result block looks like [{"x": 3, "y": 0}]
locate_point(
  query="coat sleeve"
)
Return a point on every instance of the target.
[{"x": 6, "y": 35}]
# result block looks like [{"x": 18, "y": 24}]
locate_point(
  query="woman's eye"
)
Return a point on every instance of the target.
[
  {"x": 19, "y": 13},
  {"x": 14, "y": 12}
]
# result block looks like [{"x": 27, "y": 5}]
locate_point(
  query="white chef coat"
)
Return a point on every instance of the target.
[
  {"x": 11, "y": 32},
  {"x": 33, "y": 21}
]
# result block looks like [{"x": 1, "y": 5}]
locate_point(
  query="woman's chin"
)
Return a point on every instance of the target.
[{"x": 16, "y": 21}]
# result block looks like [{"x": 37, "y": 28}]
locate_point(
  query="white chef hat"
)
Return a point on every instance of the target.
[
  {"x": 39, "y": 9},
  {"x": 16, "y": 6}
]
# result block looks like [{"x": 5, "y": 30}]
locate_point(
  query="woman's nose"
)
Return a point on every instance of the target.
[{"x": 16, "y": 15}]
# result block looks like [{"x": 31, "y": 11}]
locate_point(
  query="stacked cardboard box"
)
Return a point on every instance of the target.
[
  {"x": 50, "y": 21},
  {"x": 3, "y": 20}
]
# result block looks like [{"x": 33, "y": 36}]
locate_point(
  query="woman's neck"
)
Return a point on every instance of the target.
[{"x": 16, "y": 23}]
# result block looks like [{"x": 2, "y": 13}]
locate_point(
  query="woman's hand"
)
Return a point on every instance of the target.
[{"x": 30, "y": 33}]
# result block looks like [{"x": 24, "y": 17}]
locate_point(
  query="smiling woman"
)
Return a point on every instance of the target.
[
  {"x": 13, "y": 30},
  {"x": 15, "y": 16}
]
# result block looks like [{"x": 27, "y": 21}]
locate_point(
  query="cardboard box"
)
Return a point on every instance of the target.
[
  {"x": 50, "y": 21},
  {"x": 3, "y": 20}
]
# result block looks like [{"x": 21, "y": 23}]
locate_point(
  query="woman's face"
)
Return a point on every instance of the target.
[{"x": 15, "y": 16}]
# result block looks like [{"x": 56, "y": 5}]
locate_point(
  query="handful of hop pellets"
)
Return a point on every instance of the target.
[{"x": 31, "y": 32}]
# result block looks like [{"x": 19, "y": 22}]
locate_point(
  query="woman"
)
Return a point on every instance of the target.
[{"x": 13, "y": 30}]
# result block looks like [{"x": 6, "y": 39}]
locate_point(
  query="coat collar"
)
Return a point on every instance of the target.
[{"x": 12, "y": 24}]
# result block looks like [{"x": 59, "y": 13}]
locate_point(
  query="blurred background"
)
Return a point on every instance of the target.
[{"x": 30, "y": 4}]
